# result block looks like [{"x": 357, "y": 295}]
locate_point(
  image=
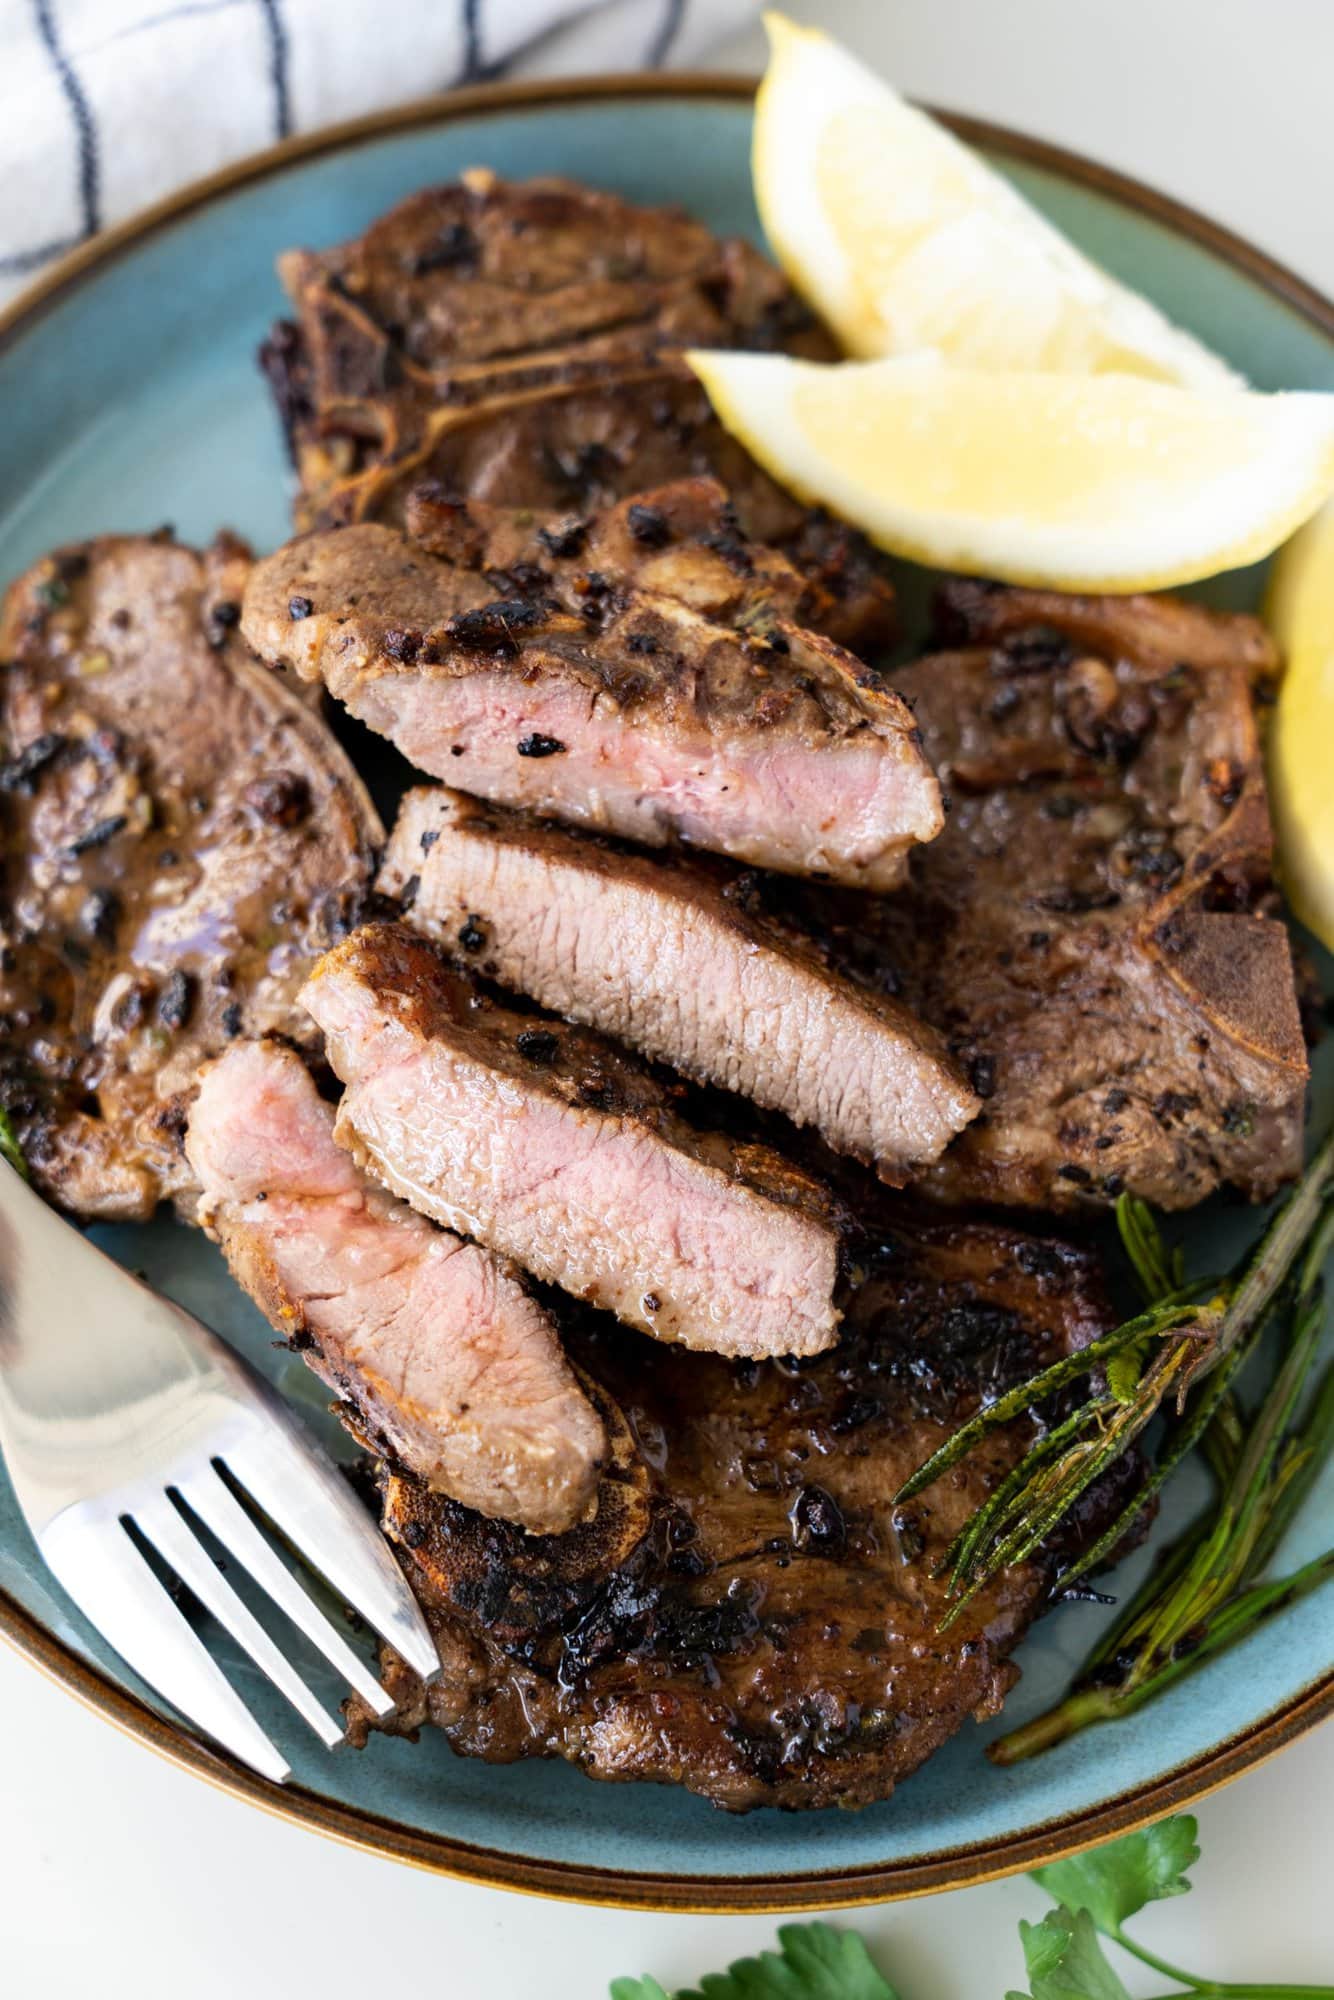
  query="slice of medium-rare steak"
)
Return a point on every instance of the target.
[
  {"x": 749, "y": 1614},
  {"x": 183, "y": 839},
  {"x": 520, "y": 343},
  {"x": 678, "y": 959},
  {"x": 1093, "y": 932},
  {"x": 554, "y": 1148},
  {"x": 440, "y": 1358},
  {"x": 608, "y": 703}
]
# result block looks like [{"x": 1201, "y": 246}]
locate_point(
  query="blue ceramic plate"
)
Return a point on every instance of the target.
[{"x": 130, "y": 397}]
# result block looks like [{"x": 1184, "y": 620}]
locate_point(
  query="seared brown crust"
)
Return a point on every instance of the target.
[
  {"x": 184, "y": 839},
  {"x": 656, "y": 619},
  {"x": 520, "y": 343},
  {"x": 1094, "y": 932},
  {"x": 749, "y": 1615}
]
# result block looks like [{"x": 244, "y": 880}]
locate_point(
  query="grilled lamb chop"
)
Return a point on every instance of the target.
[
  {"x": 749, "y": 1614},
  {"x": 679, "y": 960},
  {"x": 1092, "y": 933},
  {"x": 549, "y": 1145},
  {"x": 184, "y": 838},
  {"x": 521, "y": 344},
  {"x": 439, "y": 1357},
  {"x": 607, "y": 697}
]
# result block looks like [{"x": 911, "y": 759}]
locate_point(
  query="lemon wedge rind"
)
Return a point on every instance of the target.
[
  {"x": 903, "y": 238},
  {"x": 1299, "y": 610}
]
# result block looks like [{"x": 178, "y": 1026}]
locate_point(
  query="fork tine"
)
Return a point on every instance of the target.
[
  {"x": 221, "y": 1512},
  {"x": 319, "y": 1514},
  {"x": 172, "y": 1536},
  {"x": 112, "y": 1584}
]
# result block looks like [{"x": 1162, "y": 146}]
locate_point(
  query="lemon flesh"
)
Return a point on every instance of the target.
[
  {"x": 901, "y": 238},
  {"x": 1102, "y": 482},
  {"x": 1300, "y": 612}
]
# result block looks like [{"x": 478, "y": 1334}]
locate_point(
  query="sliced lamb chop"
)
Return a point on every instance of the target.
[
  {"x": 679, "y": 960},
  {"x": 552, "y": 1147},
  {"x": 600, "y": 698},
  {"x": 1096, "y": 931},
  {"x": 749, "y": 1613},
  {"x": 184, "y": 838},
  {"x": 440, "y": 1358},
  {"x": 521, "y": 343}
]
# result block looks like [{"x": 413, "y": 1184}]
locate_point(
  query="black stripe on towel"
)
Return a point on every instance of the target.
[
  {"x": 666, "y": 32},
  {"x": 282, "y": 106},
  {"x": 473, "y": 66},
  {"x": 80, "y": 111}
]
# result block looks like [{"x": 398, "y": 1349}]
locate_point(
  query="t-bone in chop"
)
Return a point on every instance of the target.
[
  {"x": 440, "y": 1358},
  {"x": 749, "y": 1614},
  {"x": 521, "y": 344},
  {"x": 184, "y": 838},
  {"x": 677, "y": 959},
  {"x": 606, "y": 696},
  {"x": 549, "y": 1145},
  {"x": 1091, "y": 932}
]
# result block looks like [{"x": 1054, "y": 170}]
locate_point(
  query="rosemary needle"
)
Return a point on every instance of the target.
[{"x": 1179, "y": 1356}]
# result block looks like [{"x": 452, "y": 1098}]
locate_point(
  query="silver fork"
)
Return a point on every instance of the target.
[{"x": 119, "y": 1412}]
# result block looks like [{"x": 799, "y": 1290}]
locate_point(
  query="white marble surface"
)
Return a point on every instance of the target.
[{"x": 123, "y": 1879}]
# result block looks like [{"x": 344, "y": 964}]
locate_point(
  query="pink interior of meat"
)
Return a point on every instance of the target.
[
  {"x": 658, "y": 971},
  {"x": 848, "y": 808},
  {"x": 594, "y": 1203},
  {"x": 461, "y": 1363}
]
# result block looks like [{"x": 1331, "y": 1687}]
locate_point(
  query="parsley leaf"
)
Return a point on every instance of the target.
[
  {"x": 814, "y": 1962},
  {"x": 1065, "y": 1962},
  {"x": 1112, "y": 1882},
  {"x": 10, "y": 1148}
]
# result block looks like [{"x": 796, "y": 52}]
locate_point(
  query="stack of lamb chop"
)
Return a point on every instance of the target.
[{"x": 566, "y": 1132}]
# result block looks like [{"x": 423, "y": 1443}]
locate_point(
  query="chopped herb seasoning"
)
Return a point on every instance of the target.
[
  {"x": 491, "y": 627},
  {"x": 982, "y": 1075},
  {"x": 100, "y": 913},
  {"x": 401, "y": 645},
  {"x": 17, "y": 775},
  {"x": 539, "y": 1045},
  {"x": 98, "y": 836},
  {"x": 177, "y": 1000},
  {"x": 456, "y": 245},
  {"x": 649, "y": 526},
  {"x": 564, "y": 538}
]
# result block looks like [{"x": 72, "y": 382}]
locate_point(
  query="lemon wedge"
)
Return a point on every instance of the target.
[
  {"x": 1094, "y": 482},
  {"x": 901, "y": 238},
  {"x": 1300, "y": 613}
]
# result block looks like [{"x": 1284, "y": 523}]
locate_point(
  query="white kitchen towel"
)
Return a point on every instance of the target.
[{"x": 106, "y": 105}]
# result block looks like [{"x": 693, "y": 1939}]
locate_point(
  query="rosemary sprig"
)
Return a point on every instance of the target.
[
  {"x": 10, "y": 1148},
  {"x": 1207, "y": 1592},
  {"x": 1180, "y": 1354}
]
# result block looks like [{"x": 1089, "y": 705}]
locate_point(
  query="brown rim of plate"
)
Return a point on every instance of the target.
[{"x": 946, "y": 1868}]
